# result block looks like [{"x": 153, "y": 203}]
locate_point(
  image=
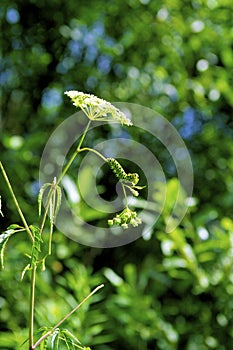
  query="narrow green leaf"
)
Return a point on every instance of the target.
[
  {"x": 27, "y": 268},
  {"x": 58, "y": 203},
  {"x": 56, "y": 342},
  {"x": 40, "y": 196},
  {"x": 14, "y": 227},
  {"x": 1, "y": 207},
  {"x": 25, "y": 341},
  {"x": 71, "y": 335},
  {"x": 44, "y": 344},
  {"x": 43, "y": 267},
  {"x": 68, "y": 341},
  {"x": 4, "y": 237},
  {"x": 54, "y": 336},
  {"x": 36, "y": 244},
  {"x": 43, "y": 331}
]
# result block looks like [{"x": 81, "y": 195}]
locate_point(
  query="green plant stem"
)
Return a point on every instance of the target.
[
  {"x": 94, "y": 151},
  {"x": 31, "y": 310},
  {"x": 65, "y": 318},
  {"x": 125, "y": 195},
  {"x": 74, "y": 154},
  {"x": 16, "y": 202}
]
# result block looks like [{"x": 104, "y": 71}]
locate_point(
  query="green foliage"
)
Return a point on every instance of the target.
[
  {"x": 53, "y": 199},
  {"x": 56, "y": 337},
  {"x": 36, "y": 247},
  {"x": 175, "y": 57},
  {"x": 52, "y": 205}
]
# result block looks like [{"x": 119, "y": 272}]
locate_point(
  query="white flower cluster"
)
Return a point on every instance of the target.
[{"x": 97, "y": 109}]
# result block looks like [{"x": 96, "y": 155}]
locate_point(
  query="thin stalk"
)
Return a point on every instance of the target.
[
  {"x": 32, "y": 305},
  {"x": 94, "y": 151},
  {"x": 44, "y": 216},
  {"x": 65, "y": 318},
  {"x": 16, "y": 202},
  {"x": 74, "y": 154},
  {"x": 125, "y": 195},
  {"x": 84, "y": 135}
]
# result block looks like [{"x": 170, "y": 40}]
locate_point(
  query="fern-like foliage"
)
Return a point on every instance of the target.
[{"x": 53, "y": 338}]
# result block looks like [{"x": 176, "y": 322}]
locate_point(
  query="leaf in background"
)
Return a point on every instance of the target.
[
  {"x": 68, "y": 341},
  {"x": 1, "y": 207},
  {"x": 70, "y": 335},
  {"x": 44, "y": 344}
]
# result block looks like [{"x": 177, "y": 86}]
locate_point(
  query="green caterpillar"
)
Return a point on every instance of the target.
[
  {"x": 120, "y": 172},
  {"x": 133, "y": 178},
  {"x": 117, "y": 168}
]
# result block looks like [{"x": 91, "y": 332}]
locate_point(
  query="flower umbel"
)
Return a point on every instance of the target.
[
  {"x": 125, "y": 218},
  {"x": 97, "y": 109}
]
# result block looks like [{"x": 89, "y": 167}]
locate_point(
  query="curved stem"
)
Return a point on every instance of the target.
[
  {"x": 16, "y": 202},
  {"x": 94, "y": 151},
  {"x": 125, "y": 195}
]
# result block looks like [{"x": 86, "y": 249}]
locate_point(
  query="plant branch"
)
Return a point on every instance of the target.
[
  {"x": 94, "y": 151},
  {"x": 65, "y": 318},
  {"x": 32, "y": 304},
  {"x": 74, "y": 154},
  {"x": 125, "y": 195},
  {"x": 15, "y": 201}
]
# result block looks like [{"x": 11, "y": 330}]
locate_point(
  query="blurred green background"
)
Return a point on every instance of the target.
[{"x": 167, "y": 291}]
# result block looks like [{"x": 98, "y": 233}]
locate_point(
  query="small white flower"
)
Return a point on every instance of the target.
[{"x": 97, "y": 109}]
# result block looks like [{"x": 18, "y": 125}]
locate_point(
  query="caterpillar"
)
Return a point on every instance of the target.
[
  {"x": 117, "y": 168},
  {"x": 133, "y": 178},
  {"x": 120, "y": 172}
]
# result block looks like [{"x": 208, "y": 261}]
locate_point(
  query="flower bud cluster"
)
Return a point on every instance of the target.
[{"x": 125, "y": 218}]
